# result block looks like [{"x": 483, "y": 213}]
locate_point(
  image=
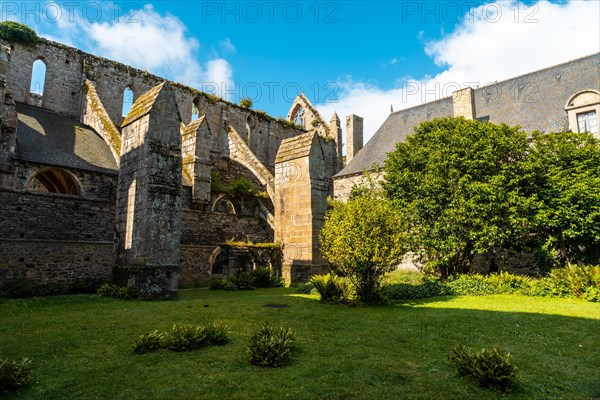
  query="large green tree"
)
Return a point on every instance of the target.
[
  {"x": 364, "y": 239},
  {"x": 468, "y": 187},
  {"x": 567, "y": 222}
]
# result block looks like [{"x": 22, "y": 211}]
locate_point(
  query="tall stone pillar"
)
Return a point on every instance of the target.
[
  {"x": 8, "y": 120},
  {"x": 148, "y": 218},
  {"x": 300, "y": 205},
  {"x": 196, "y": 141},
  {"x": 354, "y": 136},
  {"x": 336, "y": 130}
]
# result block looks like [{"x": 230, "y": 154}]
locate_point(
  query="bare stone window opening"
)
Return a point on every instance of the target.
[
  {"x": 299, "y": 117},
  {"x": 588, "y": 122},
  {"x": 38, "y": 80},
  {"x": 248, "y": 129},
  {"x": 195, "y": 112},
  {"x": 223, "y": 205},
  {"x": 127, "y": 101},
  {"x": 54, "y": 180}
]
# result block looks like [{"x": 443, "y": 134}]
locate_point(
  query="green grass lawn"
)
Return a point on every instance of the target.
[{"x": 81, "y": 347}]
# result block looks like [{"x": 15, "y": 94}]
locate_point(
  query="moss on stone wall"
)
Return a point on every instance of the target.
[{"x": 18, "y": 33}]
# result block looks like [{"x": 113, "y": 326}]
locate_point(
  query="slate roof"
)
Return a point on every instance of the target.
[
  {"x": 50, "y": 138},
  {"x": 534, "y": 101}
]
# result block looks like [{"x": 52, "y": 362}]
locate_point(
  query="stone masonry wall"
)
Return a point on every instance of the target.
[
  {"x": 49, "y": 216},
  {"x": 342, "y": 186},
  {"x": 200, "y": 228},
  {"x": 93, "y": 185},
  {"x": 53, "y": 239},
  {"x": 66, "y": 71},
  {"x": 43, "y": 262},
  {"x": 196, "y": 264}
]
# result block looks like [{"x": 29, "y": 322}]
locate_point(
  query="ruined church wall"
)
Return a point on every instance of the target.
[
  {"x": 53, "y": 262},
  {"x": 93, "y": 185},
  {"x": 211, "y": 228},
  {"x": 47, "y": 216},
  {"x": 67, "y": 68},
  {"x": 55, "y": 239}
]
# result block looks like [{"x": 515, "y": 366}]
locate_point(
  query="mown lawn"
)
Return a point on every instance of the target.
[{"x": 81, "y": 346}]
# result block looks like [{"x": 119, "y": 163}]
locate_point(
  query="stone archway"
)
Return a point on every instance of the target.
[{"x": 54, "y": 180}]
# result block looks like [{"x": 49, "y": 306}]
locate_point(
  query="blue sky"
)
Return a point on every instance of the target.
[{"x": 346, "y": 56}]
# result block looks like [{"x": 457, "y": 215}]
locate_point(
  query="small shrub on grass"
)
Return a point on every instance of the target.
[
  {"x": 332, "y": 288},
  {"x": 186, "y": 338},
  {"x": 216, "y": 334},
  {"x": 183, "y": 338},
  {"x": 243, "y": 280},
  {"x": 221, "y": 284},
  {"x": 190, "y": 337},
  {"x": 148, "y": 342},
  {"x": 492, "y": 369},
  {"x": 406, "y": 276},
  {"x": 407, "y": 291},
  {"x": 574, "y": 280},
  {"x": 271, "y": 346},
  {"x": 118, "y": 292},
  {"x": 264, "y": 278},
  {"x": 496, "y": 283},
  {"x": 261, "y": 277},
  {"x": 470, "y": 285},
  {"x": 306, "y": 288},
  {"x": 14, "y": 374}
]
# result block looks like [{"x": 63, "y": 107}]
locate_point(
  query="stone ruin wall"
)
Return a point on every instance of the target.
[
  {"x": 59, "y": 257},
  {"x": 67, "y": 68}
]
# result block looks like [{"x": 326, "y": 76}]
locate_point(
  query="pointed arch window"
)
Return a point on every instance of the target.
[
  {"x": 127, "y": 101},
  {"x": 38, "y": 81},
  {"x": 299, "y": 117},
  {"x": 195, "y": 112},
  {"x": 248, "y": 129}
]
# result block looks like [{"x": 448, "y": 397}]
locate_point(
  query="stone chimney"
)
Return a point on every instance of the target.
[
  {"x": 354, "y": 136},
  {"x": 464, "y": 103}
]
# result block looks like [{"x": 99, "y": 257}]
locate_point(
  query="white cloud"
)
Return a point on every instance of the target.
[
  {"x": 228, "y": 46},
  {"x": 153, "y": 42},
  {"x": 482, "y": 51},
  {"x": 219, "y": 72}
]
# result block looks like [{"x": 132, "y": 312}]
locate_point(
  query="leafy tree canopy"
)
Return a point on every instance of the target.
[{"x": 467, "y": 187}]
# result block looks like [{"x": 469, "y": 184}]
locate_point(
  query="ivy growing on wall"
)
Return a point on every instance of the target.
[{"x": 236, "y": 188}]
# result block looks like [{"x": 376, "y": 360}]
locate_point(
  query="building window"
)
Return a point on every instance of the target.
[
  {"x": 587, "y": 122},
  {"x": 582, "y": 110}
]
